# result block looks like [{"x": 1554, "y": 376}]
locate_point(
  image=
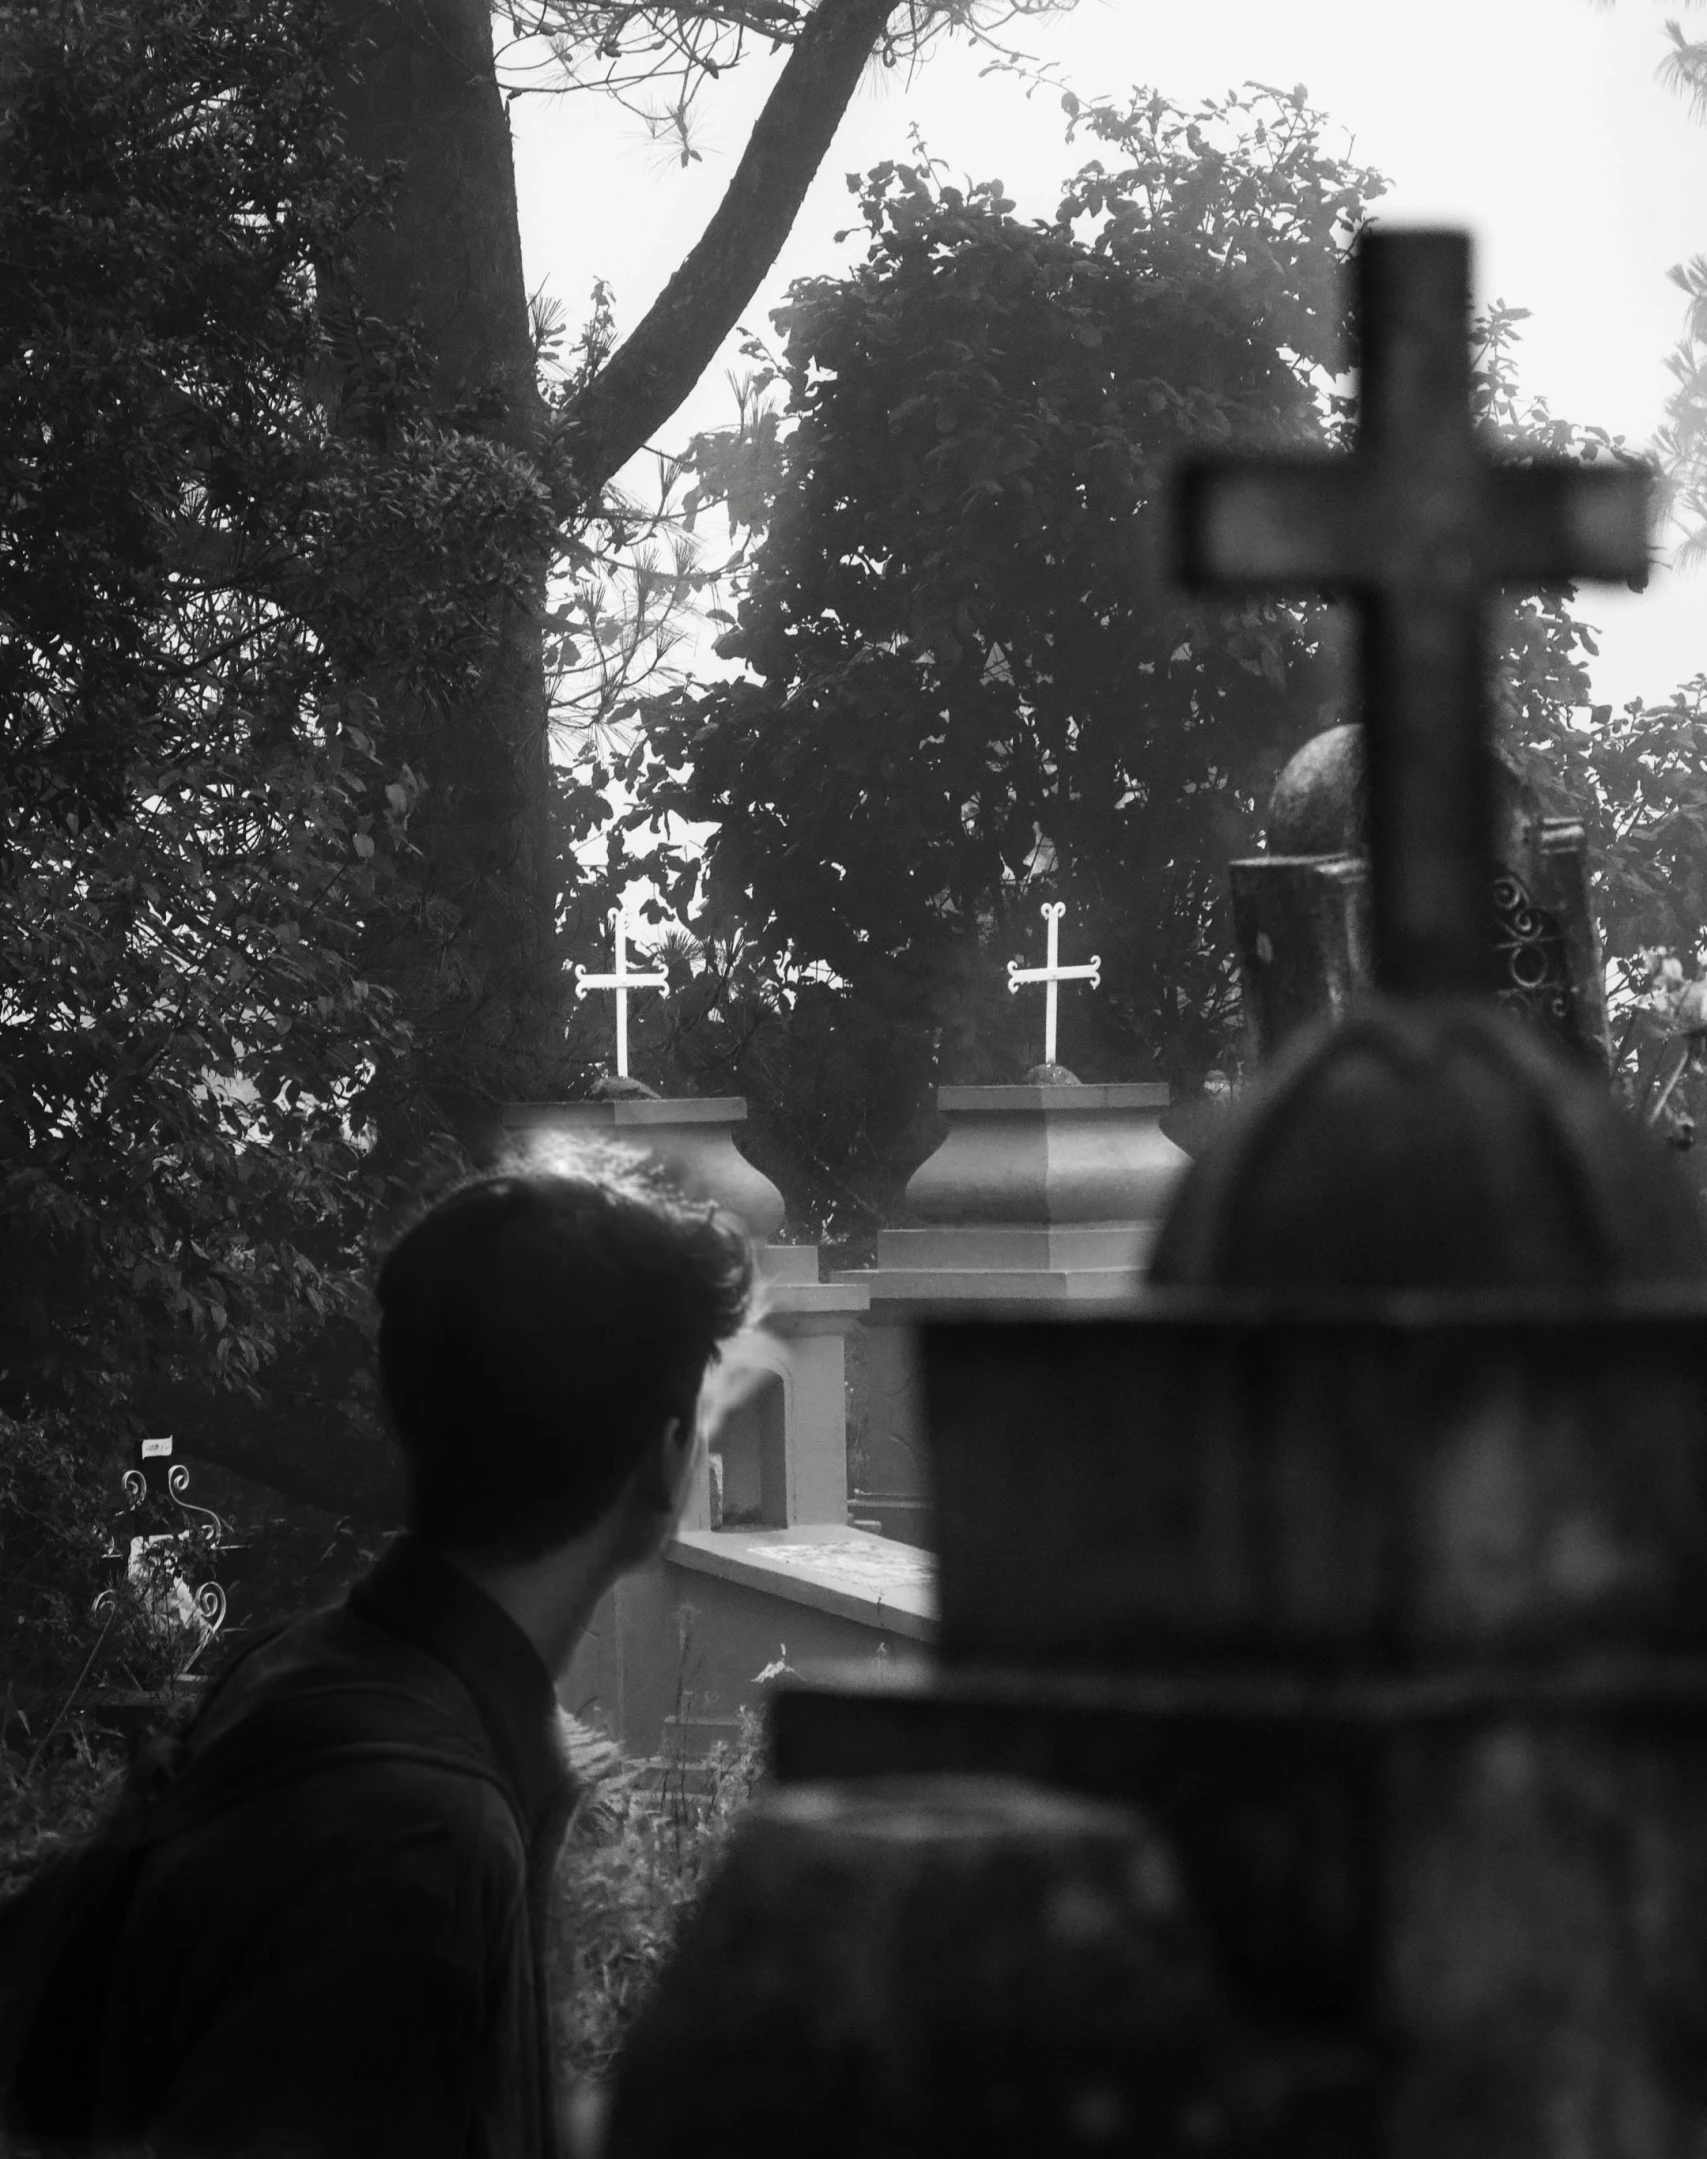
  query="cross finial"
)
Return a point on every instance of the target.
[
  {"x": 1417, "y": 525},
  {"x": 622, "y": 982},
  {"x": 1051, "y": 974}
]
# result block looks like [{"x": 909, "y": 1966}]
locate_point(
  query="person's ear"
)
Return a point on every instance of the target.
[
  {"x": 687, "y": 1442},
  {"x": 667, "y": 1465}
]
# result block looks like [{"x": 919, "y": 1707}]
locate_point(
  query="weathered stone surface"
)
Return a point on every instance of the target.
[
  {"x": 1393, "y": 1619},
  {"x": 1320, "y": 804},
  {"x": 896, "y": 1969},
  {"x": 1322, "y": 1485}
]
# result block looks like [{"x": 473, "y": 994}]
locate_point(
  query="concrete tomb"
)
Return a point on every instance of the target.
[
  {"x": 1040, "y": 1198},
  {"x": 766, "y": 1568},
  {"x": 1043, "y": 1194}
]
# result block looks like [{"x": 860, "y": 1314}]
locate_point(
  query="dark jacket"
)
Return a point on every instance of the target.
[{"x": 344, "y": 1953}]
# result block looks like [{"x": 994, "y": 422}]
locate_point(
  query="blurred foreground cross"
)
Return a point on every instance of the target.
[{"x": 1417, "y": 526}]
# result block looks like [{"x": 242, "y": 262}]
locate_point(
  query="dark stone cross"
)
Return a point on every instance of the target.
[{"x": 1417, "y": 526}]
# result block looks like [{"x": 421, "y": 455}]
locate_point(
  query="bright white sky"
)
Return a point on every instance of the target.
[{"x": 1538, "y": 124}]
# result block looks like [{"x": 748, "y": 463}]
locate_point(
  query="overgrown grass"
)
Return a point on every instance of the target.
[
  {"x": 630, "y": 1873},
  {"x": 50, "y": 1791}
]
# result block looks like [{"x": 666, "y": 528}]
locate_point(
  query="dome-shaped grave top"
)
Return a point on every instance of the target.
[
  {"x": 1320, "y": 804},
  {"x": 1430, "y": 1146},
  {"x": 1319, "y": 801}
]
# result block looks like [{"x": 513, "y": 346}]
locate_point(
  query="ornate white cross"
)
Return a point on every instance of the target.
[
  {"x": 1051, "y": 973},
  {"x": 622, "y": 982}
]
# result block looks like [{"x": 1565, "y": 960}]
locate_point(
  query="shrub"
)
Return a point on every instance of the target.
[{"x": 631, "y": 1870}]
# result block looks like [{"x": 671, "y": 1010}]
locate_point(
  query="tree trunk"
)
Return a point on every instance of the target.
[
  {"x": 477, "y": 967},
  {"x": 477, "y": 972}
]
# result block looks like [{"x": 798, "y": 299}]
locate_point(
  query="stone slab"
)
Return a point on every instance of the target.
[
  {"x": 967, "y": 1247},
  {"x": 796, "y": 1300},
  {"x": 1011, "y": 1291},
  {"x": 829, "y": 1566},
  {"x": 678, "y": 1109},
  {"x": 1063, "y": 1101}
]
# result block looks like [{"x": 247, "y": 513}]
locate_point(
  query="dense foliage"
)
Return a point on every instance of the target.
[
  {"x": 1682, "y": 440},
  {"x": 222, "y": 507}
]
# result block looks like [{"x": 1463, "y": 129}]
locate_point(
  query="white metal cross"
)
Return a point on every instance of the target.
[
  {"x": 622, "y": 982},
  {"x": 1051, "y": 974}
]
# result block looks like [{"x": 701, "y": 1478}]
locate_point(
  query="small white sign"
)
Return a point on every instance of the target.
[{"x": 151, "y": 1448}]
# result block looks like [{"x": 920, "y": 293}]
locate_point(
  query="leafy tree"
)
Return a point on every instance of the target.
[
  {"x": 200, "y": 563},
  {"x": 969, "y": 684},
  {"x": 1682, "y": 441},
  {"x": 1636, "y": 777}
]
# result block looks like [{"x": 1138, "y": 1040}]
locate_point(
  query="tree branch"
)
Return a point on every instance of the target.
[{"x": 653, "y": 370}]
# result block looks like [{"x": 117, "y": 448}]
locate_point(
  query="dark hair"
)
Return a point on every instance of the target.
[{"x": 538, "y": 1325}]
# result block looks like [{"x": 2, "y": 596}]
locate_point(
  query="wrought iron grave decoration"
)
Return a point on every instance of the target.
[{"x": 168, "y": 1546}]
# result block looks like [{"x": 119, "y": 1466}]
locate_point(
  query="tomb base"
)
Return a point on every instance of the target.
[
  {"x": 675, "y": 1654},
  {"x": 1039, "y": 1199}
]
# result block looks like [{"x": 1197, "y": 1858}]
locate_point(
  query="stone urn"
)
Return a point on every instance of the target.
[
  {"x": 693, "y": 1140},
  {"x": 1044, "y": 1195},
  {"x": 1037, "y": 1154}
]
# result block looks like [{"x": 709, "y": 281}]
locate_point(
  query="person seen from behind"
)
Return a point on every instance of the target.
[{"x": 335, "y": 1940}]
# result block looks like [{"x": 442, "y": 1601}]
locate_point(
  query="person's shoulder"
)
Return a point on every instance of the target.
[
  {"x": 334, "y": 1700},
  {"x": 334, "y": 1672}
]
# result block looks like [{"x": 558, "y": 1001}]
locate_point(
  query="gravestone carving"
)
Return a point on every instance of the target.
[{"x": 1380, "y": 1591}]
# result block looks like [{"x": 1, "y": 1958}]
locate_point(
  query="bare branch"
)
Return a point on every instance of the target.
[{"x": 653, "y": 370}]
